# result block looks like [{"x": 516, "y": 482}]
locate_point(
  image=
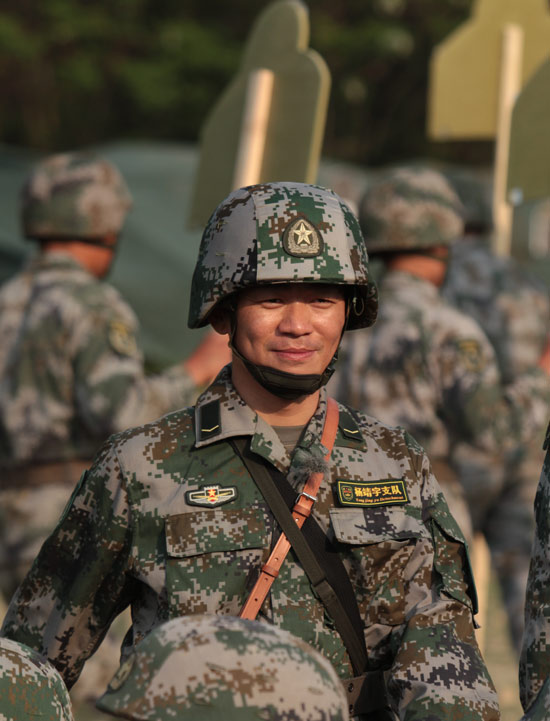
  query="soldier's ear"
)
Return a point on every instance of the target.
[{"x": 220, "y": 320}]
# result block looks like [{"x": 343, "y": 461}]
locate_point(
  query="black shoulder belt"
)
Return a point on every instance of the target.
[{"x": 320, "y": 560}]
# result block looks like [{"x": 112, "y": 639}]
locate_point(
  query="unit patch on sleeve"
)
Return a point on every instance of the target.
[
  {"x": 387, "y": 492},
  {"x": 210, "y": 496}
]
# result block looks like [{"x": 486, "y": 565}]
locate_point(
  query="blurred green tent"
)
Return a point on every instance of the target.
[{"x": 157, "y": 252}]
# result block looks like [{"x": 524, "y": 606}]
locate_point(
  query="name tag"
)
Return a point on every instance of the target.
[{"x": 372, "y": 493}]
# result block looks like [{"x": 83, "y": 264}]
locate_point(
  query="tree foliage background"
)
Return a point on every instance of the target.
[{"x": 79, "y": 72}]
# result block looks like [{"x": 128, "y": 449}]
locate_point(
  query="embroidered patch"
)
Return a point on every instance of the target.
[
  {"x": 471, "y": 354},
  {"x": 210, "y": 496},
  {"x": 302, "y": 239},
  {"x": 122, "y": 338},
  {"x": 372, "y": 493},
  {"x": 209, "y": 420}
]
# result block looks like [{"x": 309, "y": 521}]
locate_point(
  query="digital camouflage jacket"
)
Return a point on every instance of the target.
[
  {"x": 512, "y": 306},
  {"x": 534, "y": 668},
  {"x": 168, "y": 520},
  {"x": 71, "y": 372},
  {"x": 430, "y": 368}
]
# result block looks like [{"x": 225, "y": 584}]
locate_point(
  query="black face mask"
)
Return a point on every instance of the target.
[{"x": 289, "y": 386}]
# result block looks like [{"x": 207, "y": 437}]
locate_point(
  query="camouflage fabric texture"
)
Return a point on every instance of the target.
[
  {"x": 90, "y": 380},
  {"x": 540, "y": 708},
  {"x": 74, "y": 196},
  {"x": 410, "y": 208},
  {"x": 30, "y": 687},
  {"x": 513, "y": 308},
  {"x": 534, "y": 668},
  {"x": 71, "y": 373},
  {"x": 281, "y": 233},
  {"x": 429, "y": 368},
  {"x": 168, "y": 520},
  {"x": 509, "y": 303},
  {"x": 212, "y": 668}
]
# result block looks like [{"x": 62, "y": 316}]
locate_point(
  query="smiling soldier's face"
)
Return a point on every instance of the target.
[{"x": 290, "y": 327}]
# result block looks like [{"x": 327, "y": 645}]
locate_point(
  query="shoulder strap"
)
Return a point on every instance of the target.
[
  {"x": 341, "y": 605},
  {"x": 301, "y": 511}
]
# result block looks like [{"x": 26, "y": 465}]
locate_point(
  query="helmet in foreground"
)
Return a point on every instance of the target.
[
  {"x": 409, "y": 208},
  {"x": 30, "y": 687},
  {"x": 205, "y": 668},
  {"x": 74, "y": 196},
  {"x": 282, "y": 233}
]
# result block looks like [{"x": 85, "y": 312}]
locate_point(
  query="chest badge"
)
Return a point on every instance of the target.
[
  {"x": 210, "y": 496},
  {"x": 388, "y": 492}
]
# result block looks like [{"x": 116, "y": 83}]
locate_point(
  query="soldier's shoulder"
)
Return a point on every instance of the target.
[
  {"x": 99, "y": 294},
  {"x": 173, "y": 430},
  {"x": 389, "y": 437},
  {"x": 455, "y": 323}
]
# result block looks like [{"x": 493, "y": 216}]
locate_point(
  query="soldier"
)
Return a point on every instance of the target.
[
  {"x": 513, "y": 308},
  {"x": 30, "y": 687},
  {"x": 427, "y": 366},
  {"x": 71, "y": 371},
  {"x": 224, "y": 668},
  {"x": 170, "y": 518},
  {"x": 534, "y": 667}
]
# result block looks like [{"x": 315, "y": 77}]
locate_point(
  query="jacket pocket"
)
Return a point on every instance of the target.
[
  {"x": 211, "y": 555},
  {"x": 378, "y": 544}
]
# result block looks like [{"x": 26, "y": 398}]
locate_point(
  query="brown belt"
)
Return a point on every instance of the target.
[{"x": 41, "y": 474}]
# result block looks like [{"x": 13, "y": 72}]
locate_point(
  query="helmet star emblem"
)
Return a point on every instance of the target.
[
  {"x": 303, "y": 235},
  {"x": 302, "y": 239}
]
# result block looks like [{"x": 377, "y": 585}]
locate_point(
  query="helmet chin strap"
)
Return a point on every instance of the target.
[{"x": 289, "y": 386}]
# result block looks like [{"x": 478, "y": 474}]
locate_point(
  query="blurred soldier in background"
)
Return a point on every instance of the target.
[
  {"x": 71, "y": 371},
  {"x": 534, "y": 667},
  {"x": 425, "y": 365},
  {"x": 513, "y": 308},
  {"x": 224, "y": 668},
  {"x": 30, "y": 687}
]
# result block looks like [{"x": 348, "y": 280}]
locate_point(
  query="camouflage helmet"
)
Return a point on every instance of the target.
[
  {"x": 281, "y": 233},
  {"x": 209, "y": 668},
  {"x": 475, "y": 194},
  {"x": 30, "y": 686},
  {"x": 410, "y": 208},
  {"x": 74, "y": 196}
]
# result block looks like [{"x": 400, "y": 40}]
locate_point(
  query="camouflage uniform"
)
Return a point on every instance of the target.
[
  {"x": 425, "y": 365},
  {"x": 224, "y": 668},
  {"x": 540, "y": 708},
  {"x": 513, "y": 309},
  {"x": 71, "y": 372},
  {"x": 169, "y": 520},
  {"x": 534, "y": 668},
  {"x": 30, "y": 687}
]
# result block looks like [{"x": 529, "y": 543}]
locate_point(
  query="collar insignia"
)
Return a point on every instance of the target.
[
  {"x": 302, "y": 239},
  {"x": 210, "y": 496},
  {"x": 364, "y": 494}
]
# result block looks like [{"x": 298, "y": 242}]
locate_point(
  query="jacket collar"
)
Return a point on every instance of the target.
[{"x": 220, "y": 413}]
